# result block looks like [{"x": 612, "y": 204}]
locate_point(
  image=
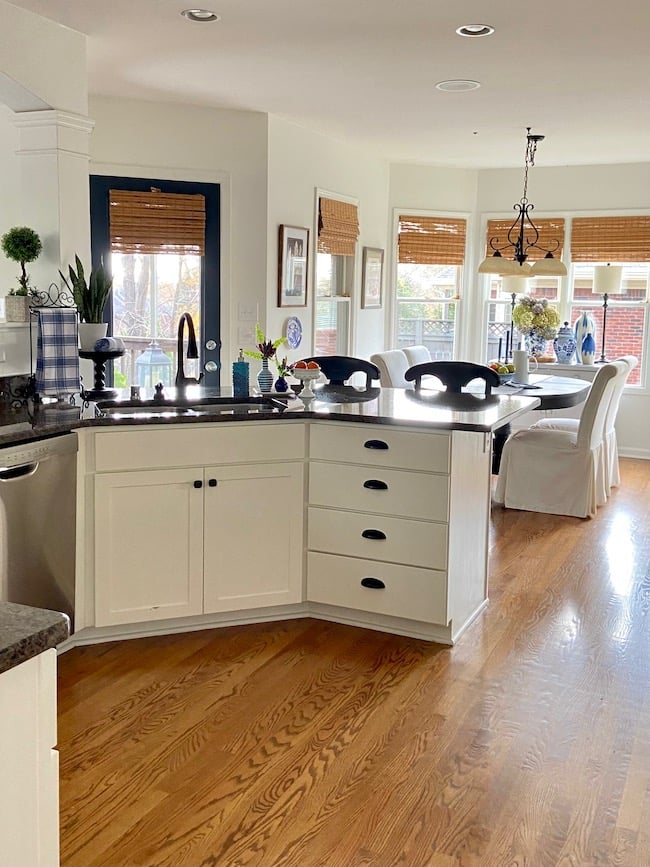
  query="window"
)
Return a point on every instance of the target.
[
  {"x": 431, "y": 253},
  {"x": 338, "y": 230},
  {"x": 160, "y": 241}
]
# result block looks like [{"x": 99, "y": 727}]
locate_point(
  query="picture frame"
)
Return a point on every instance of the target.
[
  {"x": 372, "y": 277},
  {"x": 293, "y": 266}
]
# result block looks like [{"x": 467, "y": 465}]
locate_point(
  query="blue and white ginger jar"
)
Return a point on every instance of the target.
[{"x": 565, "y": 345}]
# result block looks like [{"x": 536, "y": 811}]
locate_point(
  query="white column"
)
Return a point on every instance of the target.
[{"x": 53, "y": 156}]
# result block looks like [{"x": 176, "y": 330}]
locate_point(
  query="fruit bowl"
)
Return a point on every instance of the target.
[
  {"x": 505, "y": 377},
  {"x": 306, "y": 375}
]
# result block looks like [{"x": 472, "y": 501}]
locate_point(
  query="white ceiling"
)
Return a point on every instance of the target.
[{"x": 577, "y": 71}]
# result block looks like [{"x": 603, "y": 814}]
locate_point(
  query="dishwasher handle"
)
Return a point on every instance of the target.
[{"x": 13, "y": 474}]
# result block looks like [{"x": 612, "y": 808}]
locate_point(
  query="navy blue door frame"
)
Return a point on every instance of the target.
[{"x": 210, "y": 270}]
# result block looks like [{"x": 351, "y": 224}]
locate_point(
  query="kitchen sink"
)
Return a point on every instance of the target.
[{"x": 201, "y": 407}]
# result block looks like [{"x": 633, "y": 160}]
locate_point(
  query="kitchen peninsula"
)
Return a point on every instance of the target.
[{"x": 364, "y": 507}]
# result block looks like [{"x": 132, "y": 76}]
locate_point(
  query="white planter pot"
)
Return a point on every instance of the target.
[
  {"x": 17, "y": 308},
  {"x": 90, "y": 333}
]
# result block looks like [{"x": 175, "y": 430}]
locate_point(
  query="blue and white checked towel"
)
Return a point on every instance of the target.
[{"x": 57, "y": 351}]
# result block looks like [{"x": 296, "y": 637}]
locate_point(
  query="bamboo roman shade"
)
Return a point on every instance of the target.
[
  {"x": 156, "y": 222},
  {"x": 610, "y": 239},
  {"x": 338, "y": 227},
  {"x": 431, "y": 240},
  {"x": 550, "y": 230}
]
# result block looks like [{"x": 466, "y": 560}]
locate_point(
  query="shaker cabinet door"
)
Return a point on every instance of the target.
[
  {"x": 253, "y": 536},
  {"x": 148, "y": 545}
]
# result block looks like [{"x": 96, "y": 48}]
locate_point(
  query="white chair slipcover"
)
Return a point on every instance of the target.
[
  {"x": 416, "y": 355},
  {"x": 392, "y": 365},
  {"x": 560, "y": 472},
  {"x": 611, "y": 473}
]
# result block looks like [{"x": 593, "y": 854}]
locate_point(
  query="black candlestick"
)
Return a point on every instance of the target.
[{"x": 99, "y": 359}]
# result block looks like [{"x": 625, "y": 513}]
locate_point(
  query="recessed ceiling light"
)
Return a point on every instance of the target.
[
  {"x": 457, "y": 85},
  {"x": 201, "y": 15},
  {"x": 475, "y": 30}
]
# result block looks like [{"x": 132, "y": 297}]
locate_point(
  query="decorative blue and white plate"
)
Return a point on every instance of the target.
[{"x": 294, "y": 332}]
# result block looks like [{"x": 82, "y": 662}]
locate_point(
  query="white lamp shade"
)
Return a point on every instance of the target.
[
  {"x": 517, "y": 285},
  {"x": 607, "y": 279},
  {"x": 492, "y": 265},
  {"x": 549, "y": 267}
]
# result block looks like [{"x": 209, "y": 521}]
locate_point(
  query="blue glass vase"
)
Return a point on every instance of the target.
[{"x": 588, "y": 349}]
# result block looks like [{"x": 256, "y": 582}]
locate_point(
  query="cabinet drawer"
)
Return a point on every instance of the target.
[
  {"x": 354, "y": 534},
  {"x": 181, "y": 446},
  {"x": 380, "y": 446},
  {"x": 383, "y": 491},
  {"x": 417, "y": 594}
]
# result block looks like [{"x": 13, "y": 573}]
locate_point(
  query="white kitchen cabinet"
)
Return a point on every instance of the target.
[
  {"x": 253, "y": 536},
  {"x": 29, "y": 794},
  {"x": 148, "y": 529},
  {"x": 397, "y": 526},
  {"x": 190, "y": 540}
]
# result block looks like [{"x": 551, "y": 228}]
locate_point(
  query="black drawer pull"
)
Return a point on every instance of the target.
[
  {"x": 198, "y": 483},
  {"x": 212, "y": 483},
  {"x": 373, "y": 534},
  {"x": 375, "y": 485},
  {"x": 375, "y": 444},
  {"x": 373, "y": 583}
]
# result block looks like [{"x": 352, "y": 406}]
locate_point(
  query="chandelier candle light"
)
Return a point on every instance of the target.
[
  {"x": 523, "y": 236},
  {"x": 607, "y": 281}
]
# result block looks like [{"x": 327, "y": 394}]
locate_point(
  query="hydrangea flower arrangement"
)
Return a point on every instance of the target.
[{"x": 535, "y": 316}]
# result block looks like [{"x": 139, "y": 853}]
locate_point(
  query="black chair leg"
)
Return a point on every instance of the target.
[{"x": 499, "y": 438}]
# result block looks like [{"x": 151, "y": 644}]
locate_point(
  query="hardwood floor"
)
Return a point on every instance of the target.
[{"x": 308, "y": 743}]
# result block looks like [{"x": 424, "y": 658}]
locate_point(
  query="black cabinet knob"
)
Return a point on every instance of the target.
[
  {"x": 198, "y": 483},
  {"x": 212, "y": 483}
]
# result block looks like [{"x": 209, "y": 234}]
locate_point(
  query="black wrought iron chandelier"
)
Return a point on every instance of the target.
[{"x": 523, "y": 236}]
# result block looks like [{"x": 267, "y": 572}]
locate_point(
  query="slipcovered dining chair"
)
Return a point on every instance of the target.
[
  {"x": 455, "y": 375},
  {"x": 560, "y": 472},
  {"x": 339, "y": 368},
  {"x": 416, "y": 355},
  {"x": 392, "y": 365},
  {"x": 609, "y": 458}
]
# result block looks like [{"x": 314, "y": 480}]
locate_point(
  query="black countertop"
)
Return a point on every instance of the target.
[
  {"x": 428, "y": 408},
  {"x": 27, "y": 631}
]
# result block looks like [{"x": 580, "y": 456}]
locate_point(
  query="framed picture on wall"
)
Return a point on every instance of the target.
[
  {"x": 293, "y": 259},
  {"x": 371, "y": 280}
]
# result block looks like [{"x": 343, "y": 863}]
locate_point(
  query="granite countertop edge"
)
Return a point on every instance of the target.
[{"x": 25, "y": 632}]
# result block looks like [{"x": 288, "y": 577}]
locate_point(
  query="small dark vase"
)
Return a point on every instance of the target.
[{"x": 281, "y": 384}]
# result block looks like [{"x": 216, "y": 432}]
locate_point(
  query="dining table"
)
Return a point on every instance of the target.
[{"x": 553, "y": 392}]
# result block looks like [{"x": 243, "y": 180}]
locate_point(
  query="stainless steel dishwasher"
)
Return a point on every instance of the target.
[{"x": 37, "y": 523}]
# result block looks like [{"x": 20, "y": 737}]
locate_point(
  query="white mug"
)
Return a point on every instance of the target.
[{"x": 521, "y": 361}]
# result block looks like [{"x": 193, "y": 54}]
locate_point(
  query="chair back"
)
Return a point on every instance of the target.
[
  {"x": 612, "y": 410},
  {"x": 338, "y": 368},
  {"x": 592, "y": 420},
  {"x": 454, "y": 374},
  {"x": 392, "y": 366},
  {"x": 416, "y": 355}
]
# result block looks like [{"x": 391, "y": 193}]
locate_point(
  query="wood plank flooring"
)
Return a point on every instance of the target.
[{"x": 308, "y": 743}]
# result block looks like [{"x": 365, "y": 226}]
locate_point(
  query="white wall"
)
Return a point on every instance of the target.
[
  {"x": 9, "y": 194},
  {"x": 176, "y": 142},
  {"x": 300, "y": 161},
  {"x": 43, "y": 58}
]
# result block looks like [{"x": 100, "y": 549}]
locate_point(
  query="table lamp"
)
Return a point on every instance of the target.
[{"x": 607, "y": 281}]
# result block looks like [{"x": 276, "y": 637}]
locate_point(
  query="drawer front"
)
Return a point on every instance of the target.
[
  {"x": 190, "y": 445},
  {"x": 417, "y": 594},
  {"x": 376, "y": 537},
  {"x": 379, "y": 490},
  {"x": 379, "y": 446}
]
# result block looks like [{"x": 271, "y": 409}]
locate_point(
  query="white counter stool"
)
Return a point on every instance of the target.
[
  {"x": 392, "y": 365},
  {"x": 416, "y": 355},
  {"x": 560, "y": 472}
]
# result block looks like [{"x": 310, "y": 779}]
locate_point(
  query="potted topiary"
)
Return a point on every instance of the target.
[
  {"x": 21, "y": 244},
  {"x": 90, "y": 297}
]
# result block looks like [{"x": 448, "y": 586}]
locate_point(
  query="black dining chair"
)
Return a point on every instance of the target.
[
  {"x": 339, "y": 368},
  {"x": 453, "y": 374}
]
